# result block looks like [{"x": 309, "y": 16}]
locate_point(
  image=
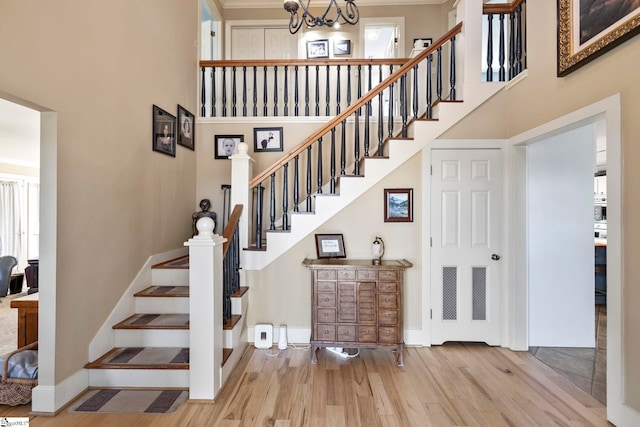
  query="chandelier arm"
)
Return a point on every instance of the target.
[
  {"x": 294, "y": 23},
  {"x": 352, "y": 15}
]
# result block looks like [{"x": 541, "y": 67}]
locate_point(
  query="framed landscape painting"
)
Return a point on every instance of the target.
[{"x": 398, "y": 205}]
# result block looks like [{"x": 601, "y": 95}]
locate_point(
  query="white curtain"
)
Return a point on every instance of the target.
[{"x": 10, "y": 219}]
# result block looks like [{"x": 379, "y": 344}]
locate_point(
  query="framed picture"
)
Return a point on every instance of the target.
[
  {"x": 342, "y": 47},
  {"x": 587, "y": 29},
  {"x": 227, "y": 145},
  {"x": 267, "y": 139},
  {"x": 398, "y": 205},
  {"x": 317, "y": 49},
  {"x": 187, "y": 130},
  {"x": 164, "y": 132},
  {"x": 330, "y": 246},
  {"x": 422, "y": 42}
]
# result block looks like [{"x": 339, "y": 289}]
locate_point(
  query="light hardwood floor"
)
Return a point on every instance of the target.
[{"x": 455, "y": 384}]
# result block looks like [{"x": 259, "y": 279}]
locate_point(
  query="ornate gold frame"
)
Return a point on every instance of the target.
[{"x": 570, "y": 58}]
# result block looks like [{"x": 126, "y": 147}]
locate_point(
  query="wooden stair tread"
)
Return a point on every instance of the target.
[
  {"x": 164, "y": 292},
  {"x": 175, "y": 263},
  {"x": 155, "y": 321},
  {"x": 231, "y": 322},
  {"x": 240, "y": 292},
  {"x": 142, "y": 358},
  {"x": 226, "y": 352}
]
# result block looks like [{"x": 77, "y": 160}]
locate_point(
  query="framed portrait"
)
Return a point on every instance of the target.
[
  {"x": 317, "y": 49},
  {"x": 330, "y": 246},
  {"x": 588, "y": 28},
  {"x": 342, "y": 47},
  {"x": 186, "y": 128},
  {"x": 398, "y": 205},
  {"x": 164, "y": 132},
  {"x": 422, "y": 42},
  {"x": 267, "y": 139},
  {"x": 227, "y": 145}
]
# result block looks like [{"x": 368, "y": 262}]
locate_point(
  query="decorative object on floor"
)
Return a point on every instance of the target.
[
  {"x": 585, "y": 33},
  {"x": 267, "y": 139},
  {"x": 7, "y": 263},
  {"x": 330, "y": 246},
  {"x": 378, "y": 250},
  {"x": 351, "y": 15},
  {"x": 164, "y": 132},
  {"x": 125, "y": 401},
  {"x": 317, "y": 49},
  {"x": 342, "y": 47},
  {"x": 187, "y": 134},
  {"x": 19, "y": 375},
  {"x": 205, "y": 204},
  {"x": 398, "y": 205},
  {"x": 226, "y": 145}
]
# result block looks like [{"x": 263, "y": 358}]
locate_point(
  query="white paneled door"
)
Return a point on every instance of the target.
[{"x": 466, "y": 187}]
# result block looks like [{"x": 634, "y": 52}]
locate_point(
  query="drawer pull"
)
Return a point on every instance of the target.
[
  {"x": 346, "y": 333},
  {"x": 326, "y": 299},
  {"x": 326, "y": 332},
  {"x": 388, "y": 333}
]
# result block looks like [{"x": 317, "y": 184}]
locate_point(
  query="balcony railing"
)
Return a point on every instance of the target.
[{"x": 509, "y": 43}]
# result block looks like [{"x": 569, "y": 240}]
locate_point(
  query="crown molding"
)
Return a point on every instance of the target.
[{"x": 255, "y": 4}]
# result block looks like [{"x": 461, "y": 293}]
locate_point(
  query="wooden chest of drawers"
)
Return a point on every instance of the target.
[{"x": 356, "y": 304}]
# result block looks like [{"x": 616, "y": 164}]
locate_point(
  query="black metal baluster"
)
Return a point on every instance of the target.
[
  {"x": 317, "y": 90},
  {"x": 244, "y": 91},
  {"x": 348, "y": 85},
  {"x": 332, "y": 186},
  {"x": 429, "y": 89},
  {"x": 259, "y": 216},
  {"x": 452, "y": 70},
  {"x": 203, "y": 92},
  {"x": 501, "y": 55},
  {"x": 390, "y": 124},
  {"x": 343, "y": 148},
  {"x": 213, "y": 92},
  {"x": 255, "y": 91},
  {"x": 512, "y": 45},
  {"x": 309, "y": 179},
  {"x": 489, "y": 47},
  {"x": 275, "y": 91},
  {"x": 380, "y": 118},
  {"x": 265, "y": 96},
  {"x": 356, "y": 143},
  {"x": 415, "y": 92},
  {"x": 272, "y": 203},
  {"x": 319, "y": 171},
  {"x": 285, "y": 197},
  {"x": 234, "y": 99},
  {"x": 296, "y": 184},
  {"x": 359, "y": 90},
  {"x": 519, "y": 40},
  {"x": 367, "y": 120},
  {"x": 369, "y": 85},
  {"x": 224, "y": 91},
  {"x": 328, "y": 92},
  {"x": 439, "y": 74},
  {"x": 286, "y": 90},
  {"x": 403, "y": 104},
  {"x": 306, "y": 90},
  {"x": 338, "y": 91},
  {"x": 296, "y": 110}
]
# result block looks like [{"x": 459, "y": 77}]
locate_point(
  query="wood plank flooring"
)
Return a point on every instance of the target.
[{"x": 457, "y": 384}]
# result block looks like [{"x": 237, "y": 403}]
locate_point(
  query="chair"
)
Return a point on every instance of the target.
[{"x": 6, "y": 266}]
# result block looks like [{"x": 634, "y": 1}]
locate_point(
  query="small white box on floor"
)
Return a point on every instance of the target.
[{"x": 263, "y": 336}]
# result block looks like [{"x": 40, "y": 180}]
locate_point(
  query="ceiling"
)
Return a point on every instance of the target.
[
  {"x": 243, "y": 4},
  {"x": 19, "y": 135}
]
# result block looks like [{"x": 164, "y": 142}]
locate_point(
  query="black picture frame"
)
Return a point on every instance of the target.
[
  {"x": 222, "y": 145},
  {"x": 583, "y": 35},
  {"x": 186, "y": 128},
  {"x": 341, "y": 47},
  {"x": 267, "y": 139},
  {"x": 425, "y": 41},
  {"x": 163, "y": 132},
  {"x": 398, "y": 205},
  {"x": 330, "y": 246},
  {"x": 317, "y": 49}
]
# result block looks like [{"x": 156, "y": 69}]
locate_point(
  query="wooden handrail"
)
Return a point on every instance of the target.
[
  {"x": 501, "y": 8},
  {"x": 408, "y": 66},
  {"x": 230, "y": 228},
  {"x": 301, "y": 62}
]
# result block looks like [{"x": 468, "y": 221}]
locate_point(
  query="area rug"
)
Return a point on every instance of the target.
[
  {"x": 9, "y": 323},
  {"x": 119, "y": 401}
]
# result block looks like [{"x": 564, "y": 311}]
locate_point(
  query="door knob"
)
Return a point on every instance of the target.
[{"x": 495, "y": 257}]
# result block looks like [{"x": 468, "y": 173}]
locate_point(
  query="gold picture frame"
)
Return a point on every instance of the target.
[{"x": 587, "y": 29}]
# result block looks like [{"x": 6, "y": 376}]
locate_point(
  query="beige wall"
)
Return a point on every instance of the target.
[{"x": 101, "y": 66}]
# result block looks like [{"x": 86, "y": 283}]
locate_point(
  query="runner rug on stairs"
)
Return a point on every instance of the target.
[{"x": 120, "y": 401}]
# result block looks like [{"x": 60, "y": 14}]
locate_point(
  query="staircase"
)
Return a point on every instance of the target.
[{"x": 152, "y": 343}]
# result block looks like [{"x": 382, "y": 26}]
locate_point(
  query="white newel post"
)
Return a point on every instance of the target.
[
  {"x": 241, "y": 172},
  {"x": 205, "y": 311}
]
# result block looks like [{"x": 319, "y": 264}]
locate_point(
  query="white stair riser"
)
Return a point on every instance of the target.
[
  {"x": 231, "y": 338},
  {"x": 162, "y": 305},
  {"x": 152, "y": 337},
  {"x": 239, "y": 305},
  {"x": 170, "y": 276},
  {"x": 139, "y": 378}
]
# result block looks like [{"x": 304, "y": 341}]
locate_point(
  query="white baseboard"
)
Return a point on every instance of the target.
[
  {"x": 412, "y": 337},
  {"x": 50, "y": 399}
]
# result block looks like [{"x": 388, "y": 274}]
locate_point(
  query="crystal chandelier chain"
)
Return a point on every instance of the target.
[{"x": 350, "y": 15}]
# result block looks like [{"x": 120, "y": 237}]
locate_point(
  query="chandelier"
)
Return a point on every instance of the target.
[{"x": 338, "y": 17}]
